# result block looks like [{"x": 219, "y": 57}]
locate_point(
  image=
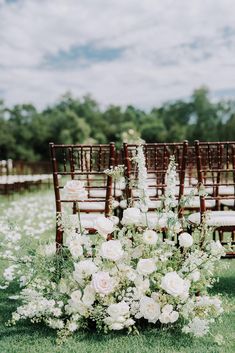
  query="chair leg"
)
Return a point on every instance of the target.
[
  {"x": 221, "y": 236},
  {"x": 214, "y": 235}
]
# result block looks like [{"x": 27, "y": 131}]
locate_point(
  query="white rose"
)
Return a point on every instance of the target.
[
  {"x": 173, "y": 284},
  {"x": 104, "y": 226},
  {"x": 195, "y": 276},
  {"x": 75, "y": 248},
  {"x": 76, "y": 295},
  {"x": 112, "y": 250},
  {"x": 88, "y": 295},
  {"x": 123, "y": 204},
  {"x": 174, "y": 316},
  {"x": 168, "y": 315},
  {"x": 131, "y": 216},
  {"x": 185, "y": 240},
  {"x": 116, "y": 326},
  {"x": 72, "y": 326},
  {"x": 149, "y": 309},
  {"x": 117, "y": 310},
  {"x": 115, "y": 204},
  {"x": 102, "y": 282},
  {"x": 75, "y": 190},
  {"x": 129, "y": 322},
  {"x": 83, "y": 269},
  {"x": 146, "y": 266},
  {"x": 150, "y": 237}
]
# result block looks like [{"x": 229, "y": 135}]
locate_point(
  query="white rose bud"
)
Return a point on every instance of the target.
[
  {"x": 123, "y": 204},
  {"x": 150, "y": 237},
  {"x": 185, "y": 240}
]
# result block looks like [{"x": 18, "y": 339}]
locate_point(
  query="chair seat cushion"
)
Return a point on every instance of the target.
[
  {"x": 226, "y": 190},
  {"x": 151, "y": 192},
  {"x": 102, "y": 193},
  {"x": 86, "y": 205},
  {"x": 195, "y": 203},
  {"x": 215, "y": 218},
  {"x": 95, "y": 205},
  {"x": 152, "y": 204},
  {"x": 88, "y": 219},
  {"x": 228, "y": 202}
]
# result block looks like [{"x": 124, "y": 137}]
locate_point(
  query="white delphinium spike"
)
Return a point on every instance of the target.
[
  {"x": 142, "y": 183},
  {"x": 170, "y": 191}
]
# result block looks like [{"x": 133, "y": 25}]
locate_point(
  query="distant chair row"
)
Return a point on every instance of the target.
[
  {"x": 17, "y": 175},
  {"x": 210, "y": 165}
]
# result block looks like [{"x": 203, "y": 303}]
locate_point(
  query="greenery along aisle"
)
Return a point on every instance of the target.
[
  {"x": 26, "y": 132},
  {"x": 120, "y": 283}
]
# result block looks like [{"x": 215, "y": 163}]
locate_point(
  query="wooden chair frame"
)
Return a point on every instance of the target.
[{"x": 75, "y": 164}]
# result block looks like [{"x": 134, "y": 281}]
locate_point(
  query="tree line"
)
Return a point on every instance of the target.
[{"x": 26, "y": 132}]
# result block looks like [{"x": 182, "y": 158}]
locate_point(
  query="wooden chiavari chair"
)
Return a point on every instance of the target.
[
  {"x": 157, "y": 156},
  {"x": 216, "y": 172},
  {"x": 87, "y": 163},
  {"x": 191, "y": 185}
]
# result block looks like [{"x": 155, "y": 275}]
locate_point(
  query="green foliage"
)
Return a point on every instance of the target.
[
  {"x": 25, "y": 132},
  {"x": 25, "y": 338}
]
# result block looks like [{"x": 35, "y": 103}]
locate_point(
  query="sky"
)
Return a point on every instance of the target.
[{"x": 139, "y": 52}]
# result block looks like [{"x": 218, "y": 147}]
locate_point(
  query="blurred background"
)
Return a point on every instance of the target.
[{"x": 85, "y": 71}]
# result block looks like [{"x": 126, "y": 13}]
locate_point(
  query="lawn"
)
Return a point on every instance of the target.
[{"x": 36, "y": 211}]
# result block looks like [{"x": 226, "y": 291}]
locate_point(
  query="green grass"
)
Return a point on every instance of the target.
[{"x": 28, "y": 338}]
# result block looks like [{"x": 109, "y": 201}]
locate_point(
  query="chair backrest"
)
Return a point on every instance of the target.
[
  {"x": 157, "y": 157},
  {"x": 87, "y": 163},
  {"x": 216, "y": 172}
]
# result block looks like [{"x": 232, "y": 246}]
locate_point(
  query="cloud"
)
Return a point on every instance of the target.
[{"x": 122, "y": 52}]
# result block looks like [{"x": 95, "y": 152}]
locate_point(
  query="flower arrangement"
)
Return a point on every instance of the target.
[{"x": 122, "y": 275}]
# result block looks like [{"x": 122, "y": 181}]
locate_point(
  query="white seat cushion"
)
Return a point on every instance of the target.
[
  {"x": 151, "y": 192},
  {"x": 102, "y": 193},
  {"x": 187, "y": 190},
  {"x": 215, "y": 218},
  {"x": 88, "y": 219},
  {"x": 228, "y": 202},
  {"x": 152, "y": 181},
  {"x": 195, "y": 203},
  {"x": 151, "y": 176},
  {"x": 226, "y": 190},
  {"x": 154, "y": 204},
  {"x": 86, "y": 205}
]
